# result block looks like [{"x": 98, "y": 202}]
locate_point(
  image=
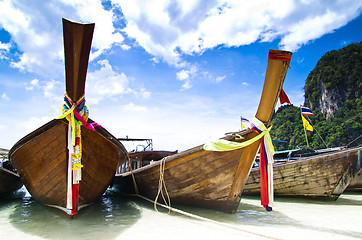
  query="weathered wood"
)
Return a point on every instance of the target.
[
  {"x": 41, "y": 157},
  {"x": 320, "y": 176},
  {"x": 207, "y": 178},
  {"x": 42, "y": 165}
]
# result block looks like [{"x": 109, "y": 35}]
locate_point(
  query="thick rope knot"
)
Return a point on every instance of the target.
[{"x": 77, "y": 114}]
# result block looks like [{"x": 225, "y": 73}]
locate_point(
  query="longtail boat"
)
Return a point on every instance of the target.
[
  {"x": 142, "y": 154},
  {"x": 70, "y": 161},
  {"x": 204, "y": 178},
  {"x": 322, "y": 175},
  {"x": 9, "y": 178}
]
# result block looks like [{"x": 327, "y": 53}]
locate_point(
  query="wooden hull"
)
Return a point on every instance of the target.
[
  {"x": 41, "y": 159},
  {"x": 195, "y": 177},
  {"x": 320, "y": 176},
  {"x": 9, "y": 181}
]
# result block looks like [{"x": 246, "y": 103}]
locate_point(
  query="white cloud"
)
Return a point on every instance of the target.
[
  {"x": 169, "y": 29},
  {"x": 219, "y": 79},
  {"x": 4, "y": 49},
  {"x": 5, "y": 97},
  {"x": 186, "y": 75},
  {"x": 105, "y": 83},
  {"x": 53, "y": 90},
  {"x": 35, "y": 27},
  {"x": 125, "y": 47},
  {"x": 33, "y": 84},
  {"x": 134, "y": 108}
]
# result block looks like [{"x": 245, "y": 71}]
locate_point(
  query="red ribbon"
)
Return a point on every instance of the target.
[
  {"x": 75, "y": 198},
  {"x": 90, "y": 126},
  {"x": 280, "y": 56}
]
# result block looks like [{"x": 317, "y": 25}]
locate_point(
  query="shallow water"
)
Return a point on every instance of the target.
[{"x": 116, "y": 217}]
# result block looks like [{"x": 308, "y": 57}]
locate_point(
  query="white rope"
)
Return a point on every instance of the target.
[
  {"x": 168, "y": 203},
  {"x": 161, "y": 186},
  {"x": 203, "y": 218}
]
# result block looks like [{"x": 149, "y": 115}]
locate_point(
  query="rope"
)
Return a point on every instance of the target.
[
  {"x": 202, "y": 218},
  {"x": 168, "y": 203},
  {"x": 133, "y": 177},
  {"x": 352, "y": 141},
  {"x": 161, "y": 186}
]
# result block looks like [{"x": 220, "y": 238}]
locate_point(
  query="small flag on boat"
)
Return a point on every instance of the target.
[
  {"x": 244, "y": 123},
  {"x": 306, "y": 111},
  {"x": 283, "y": 98},
  {"x": 306, "y": 124}
]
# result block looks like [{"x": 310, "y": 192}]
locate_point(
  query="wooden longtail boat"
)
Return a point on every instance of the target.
[
  {"x": 9, "y": 179},
  {"x": 324, "y": 175},
  {"x": 66, "y": 166},
  {"x": 139, "y": 158},
  {"x": 211, "y": 179}
]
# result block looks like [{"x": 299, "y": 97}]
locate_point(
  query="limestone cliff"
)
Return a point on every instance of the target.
[{"x": 337, "y": 77}]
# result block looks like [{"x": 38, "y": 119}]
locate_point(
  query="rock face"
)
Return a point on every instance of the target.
[
  {"x": 337, "y": 77},
  {"x": 331, "y": 100}
]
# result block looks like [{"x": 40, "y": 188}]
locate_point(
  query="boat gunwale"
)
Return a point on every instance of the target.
[
  {"x": 173, "y": 157},
  {"x": 311, "y": 158},
  {"x": 8, "y": 171}
]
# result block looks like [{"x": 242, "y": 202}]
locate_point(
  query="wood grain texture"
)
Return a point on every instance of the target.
[
  {"x": 321, "y": 176},
  {"x": 77, "y": 46},
  {"x": 42, "y": 162}
]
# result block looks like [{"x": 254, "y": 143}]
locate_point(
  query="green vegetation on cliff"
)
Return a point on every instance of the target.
[{"x": 333, "y": 92}]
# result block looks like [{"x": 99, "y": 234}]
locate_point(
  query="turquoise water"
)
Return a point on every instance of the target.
[{"x": 116, "y": 217}]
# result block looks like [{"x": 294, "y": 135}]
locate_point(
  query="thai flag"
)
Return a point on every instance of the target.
[
  {"x": 244, "y": 121},
  {"x": 306, "y": 111}
]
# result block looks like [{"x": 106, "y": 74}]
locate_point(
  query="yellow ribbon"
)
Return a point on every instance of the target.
[
  {"x": 72, "y": 118},
  {"x": 225, "y": 145},
  {"x": 77, "y": 166}
]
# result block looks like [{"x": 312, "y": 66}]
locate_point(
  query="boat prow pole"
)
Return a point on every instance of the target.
[
  {"x": 278, "y": 63},
  {"x": 77, "y": 46}
]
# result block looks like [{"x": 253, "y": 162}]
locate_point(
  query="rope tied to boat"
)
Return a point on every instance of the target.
[
  {"x": 266, "y": 157},
  {"x": 76, "y": 113},
  {"x": 162, "y": 187}
]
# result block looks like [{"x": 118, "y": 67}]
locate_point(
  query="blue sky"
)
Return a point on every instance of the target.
[{"x": 179, "y": 72}]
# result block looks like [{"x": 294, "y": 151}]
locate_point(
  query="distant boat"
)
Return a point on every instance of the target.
[
  {"x": 64, "y": 166},
  {"x": 322, "y": 174},
  {"x": 9, "y": 179},
  {"x": 142, "y": 155},
  {"x": 210, "y": 179}
]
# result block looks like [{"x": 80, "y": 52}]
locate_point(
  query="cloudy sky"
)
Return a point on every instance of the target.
[{"x": 179, "y": 72}]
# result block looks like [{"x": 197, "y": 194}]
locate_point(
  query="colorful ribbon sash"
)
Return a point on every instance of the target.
[
  {"x": 266, "y": 158},
  {"x": 77, "y": 115}
]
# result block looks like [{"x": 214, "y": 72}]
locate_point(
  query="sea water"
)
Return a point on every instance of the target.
[{"x": 118, "y": 217}]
